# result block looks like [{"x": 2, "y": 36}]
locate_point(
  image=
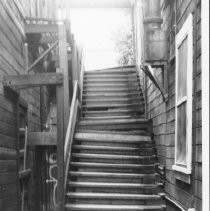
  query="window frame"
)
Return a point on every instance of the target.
[{"x": 185, "y": 31}]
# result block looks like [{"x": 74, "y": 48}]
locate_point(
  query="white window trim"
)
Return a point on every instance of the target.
[{"x": 186, "y": 30}]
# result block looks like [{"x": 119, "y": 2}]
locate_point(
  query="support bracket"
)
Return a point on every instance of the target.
[{"x": 162, "y": 87}]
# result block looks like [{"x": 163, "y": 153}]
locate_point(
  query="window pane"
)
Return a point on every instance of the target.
[
  {"x": 182, "y": 70},
  {"x": 181, "y": 134}
]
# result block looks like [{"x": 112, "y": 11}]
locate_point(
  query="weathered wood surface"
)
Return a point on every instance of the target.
[
  {"x": 38, "y": 28},
  {"x": 42, "y": 138},
  {"x": 163, "y": 114},
  {"x": 70, "y": 130},
  {"x": 39, "y": 79},
  {"x": 63, "y": 66},
  {"x": 12, "y": 62}
]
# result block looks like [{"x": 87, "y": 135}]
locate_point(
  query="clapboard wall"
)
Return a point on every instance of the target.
[
  {"x": 163, "y": 113},
  {"x": 12, "y": 61}
]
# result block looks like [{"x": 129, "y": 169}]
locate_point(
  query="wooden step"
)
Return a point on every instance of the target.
[
  {"x": 124, "y": 85},
  {"x": 111, "y": 76},
  {"x": 101, "y": 207},
  {"x": 128, "y": 95},
  {"x": 113, "y": 167},
  {"x": 119, "y": 196},
  {"x": 110, "y": 158},
  {"x": 113, "y": 124},
  {"x": 98, "y": 175},
  {"x": 111, "y": 100},
  {"x": 114, "y": 185},
  {"x": 113, "y": 112},
  {"x": 111, "y": 71},
  {"x": 111, "y": 79},
  {"x": 112, "y": 104},
  {"x": 109, "y": 117},
  {"x": 114, "y": 149},
  {"x": 112, "y": 89},
  {"x": 112, "y": 92},
  {"x": 92, "y": 149},
  {"x": 113, "y": 157},
  {"x": 112, "y": 137},
  {"x": 111, "y": 175},
  {"x": 130, "y": 132}
]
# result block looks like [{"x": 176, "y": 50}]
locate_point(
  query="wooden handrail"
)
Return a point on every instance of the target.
[{"x": 70, "y": 130}]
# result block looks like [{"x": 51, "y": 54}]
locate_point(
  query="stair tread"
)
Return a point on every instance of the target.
[
  {"x": 112, "y": 83},
  {"x": 105, "y": 80},
  {"x": 116, "y": 100},
  {"x": 112, "y": 148},
  {"x": 111, "y": 137},
  {"x": 110, "y": 117},
  {"x": 110, "y": 156},
  {"x": 113, "y": 105},
  {"x": 113, "y": 121},
  {"x": 116, "y": 75},
  {"x": 131, "y": 132},
  {"x": 114, "y": 111},
  {"x": 111, "y": 71},
  {"x": 113, "y": 195},
  {"x": 118, "y": 89},
  {"x": 112, "y": 185},
  {"x": 107, "y": 165},
  {"x": 102, "y": 207},
  {"x": 112, "y": 95},
  {"x": 110, "y": 174}
]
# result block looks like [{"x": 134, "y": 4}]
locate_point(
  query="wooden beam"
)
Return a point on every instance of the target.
[
  {"x": 42, "y": 138},
  {"x": 60, "y": 148},
  {"x": 26, "y": 81},
  {"x": 55, "y": 58},
  {"x": 38, "y": 28},
  {"x": 63, "y": 66}
]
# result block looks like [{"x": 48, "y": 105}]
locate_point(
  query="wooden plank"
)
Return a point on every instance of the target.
[
  {"x": 38, "y": 28},
  {"x": 55, "y": 58},
  {"x": 8, "y": 177},
  {"x": 42, "y": 138},
  {"x": 60, "y": 147},
  {"x": 7, "y": 154},
  {"x": 8, "y": 165},
  {"x": 7, "y": 190},
  {"x": 27, "y": 81},
  {"x": 8, "y": 201},
  {"x": 25, "y": 173},
  {"x": 63, "y": 63}
]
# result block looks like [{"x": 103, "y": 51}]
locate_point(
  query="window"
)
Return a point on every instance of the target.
[{"x": 183, "y": 110}]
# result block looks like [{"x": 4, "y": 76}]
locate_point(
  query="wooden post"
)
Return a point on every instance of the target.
[
  {"x": 60, "y": 148},
  {"x": 74, "y": 60},
  {"x": 64, "y": 69}
]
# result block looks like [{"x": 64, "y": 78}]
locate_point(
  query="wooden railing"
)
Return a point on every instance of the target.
[{"x": 70, "y": 130}]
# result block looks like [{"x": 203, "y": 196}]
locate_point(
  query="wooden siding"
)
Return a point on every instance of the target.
[
  {"x": 12, "y": 61},
  {"x": 163, "y": 114}
]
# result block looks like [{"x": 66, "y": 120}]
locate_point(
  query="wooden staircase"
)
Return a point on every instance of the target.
[{"x": 113, "y": 156}]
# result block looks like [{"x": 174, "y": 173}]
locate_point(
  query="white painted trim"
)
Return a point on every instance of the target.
[
  {"x": 186, "y": 30},
  {"x": 181, "y": 169}
]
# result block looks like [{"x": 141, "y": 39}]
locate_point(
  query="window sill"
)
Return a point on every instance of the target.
[{"x": 182, "y": 174}]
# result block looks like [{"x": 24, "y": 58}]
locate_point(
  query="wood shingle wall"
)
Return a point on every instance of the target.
[
  {"x": 163, "y": 114},
  {"x": 12, "y": 61}
]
